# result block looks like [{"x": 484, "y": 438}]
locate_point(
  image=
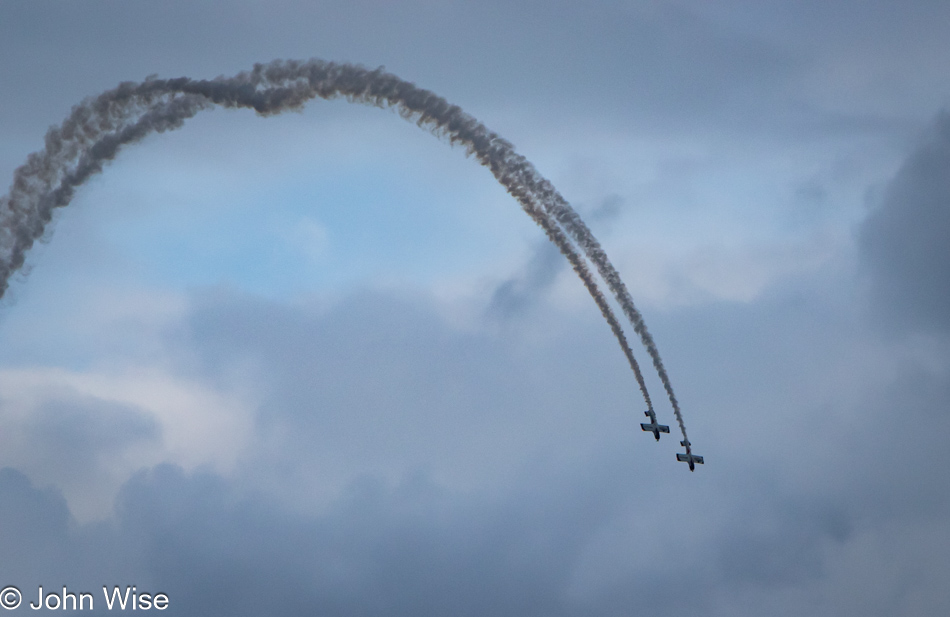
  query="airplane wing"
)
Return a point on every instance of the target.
[
  {"x": 698, "y": 459},
  {"x": 664, "y": 429},
  {"x": 684, "y": 458}
]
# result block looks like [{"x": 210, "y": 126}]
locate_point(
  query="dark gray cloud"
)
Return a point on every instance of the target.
[
  {"x": 406, "y": 549},
  {"x": 409, "y": 549},
  {"x": 647, "y": 64},
  {"x": 76, "y": 432},
  {"x": 585, "y": 520},
  {"x": 515, "y": 294},
  {"x": 905, "y": 241},
  {"x": 34, "y": 524}
]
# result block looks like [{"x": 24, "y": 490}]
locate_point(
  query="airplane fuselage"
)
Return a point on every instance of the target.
[
  {"x": 652, "y": 426},
  {"x": 689, "y": 458}
]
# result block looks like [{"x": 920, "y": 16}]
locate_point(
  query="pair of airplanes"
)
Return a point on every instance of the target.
[{"x": 655, "y": 428}]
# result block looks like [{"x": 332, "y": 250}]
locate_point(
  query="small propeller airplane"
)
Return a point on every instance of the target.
[
  {"x": 652, "y": 426},
  {"x": 689, "y": 457}
]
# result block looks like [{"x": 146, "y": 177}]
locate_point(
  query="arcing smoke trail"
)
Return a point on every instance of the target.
[
  {"x": 97, "y": 129},
  {"x": 569, "y": 218}
]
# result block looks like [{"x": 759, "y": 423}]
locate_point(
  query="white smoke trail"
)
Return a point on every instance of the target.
[{"x": 97, "y": 128}]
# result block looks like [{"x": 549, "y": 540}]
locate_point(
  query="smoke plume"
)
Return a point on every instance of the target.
[{"x": 97, "y": 128}]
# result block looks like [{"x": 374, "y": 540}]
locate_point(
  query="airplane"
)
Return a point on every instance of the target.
[
  {"x": 653, "y": 426},
  {"x": 689, "y": 457}
]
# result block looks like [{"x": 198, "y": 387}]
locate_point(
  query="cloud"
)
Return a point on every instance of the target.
[
  {"x": 513, "y": 295},
  {"x": 656, "y": 62},
  {"x": 75, "y": 432},
  {"x": 407, "y": 549},
  {"x": 904, "y": 241},
  {"x": 381, "y": 383},
  {"x": 87, "y": 431},
  {"x": 33, "y": 526},
  {"x": 404, "y": 465}
]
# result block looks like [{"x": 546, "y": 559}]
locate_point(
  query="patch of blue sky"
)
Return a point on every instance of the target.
[{"x": 300, "y": 218}]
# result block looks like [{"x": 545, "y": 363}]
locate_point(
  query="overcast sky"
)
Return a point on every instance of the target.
[{"x": 321, "y": 363}]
